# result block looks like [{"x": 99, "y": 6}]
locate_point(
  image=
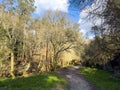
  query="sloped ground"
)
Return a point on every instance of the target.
[{"x": 75, "y": 80}]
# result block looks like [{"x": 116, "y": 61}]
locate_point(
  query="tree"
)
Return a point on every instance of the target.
[
  {"x": 11, "y": 27},
  {"x": 105, "y": 48},
  {"x": 61, "y": 35}
]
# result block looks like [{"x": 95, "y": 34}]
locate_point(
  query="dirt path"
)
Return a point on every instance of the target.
[{"x": 75, "y": 80}]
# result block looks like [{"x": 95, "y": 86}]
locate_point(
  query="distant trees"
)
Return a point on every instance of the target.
[{"x": 59, "y": 36}]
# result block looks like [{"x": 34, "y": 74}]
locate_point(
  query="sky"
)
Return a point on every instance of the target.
[{"x": 76, "y": 14}]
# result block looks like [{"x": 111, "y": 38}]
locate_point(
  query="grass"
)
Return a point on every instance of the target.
[
  {"x": 102, "y": 79},
  {"x": 39, "y": 82}
]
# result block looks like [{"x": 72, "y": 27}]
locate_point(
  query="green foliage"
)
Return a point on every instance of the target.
[
  {"x": 39, "y": 82},
  {"x": 101, "y": 50},
  {"x": 106, "y": 44},
  {"x": 102, "y": 79}
]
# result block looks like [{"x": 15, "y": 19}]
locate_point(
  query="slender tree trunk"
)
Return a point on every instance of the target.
[
  {"x": 12, "y": 65},
  {"x": 46, "y": 55},
  {"x": 1, "y": 64},
  {"x": 25, "y": 74}
]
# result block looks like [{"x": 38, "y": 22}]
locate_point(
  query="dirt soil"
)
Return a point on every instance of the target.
[{"x": 75, "y": 80}]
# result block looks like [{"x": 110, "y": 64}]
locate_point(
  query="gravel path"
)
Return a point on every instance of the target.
[{"x": 75, "y": 80}]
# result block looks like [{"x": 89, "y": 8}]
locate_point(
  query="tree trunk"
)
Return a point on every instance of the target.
[
  {"x": 12, "y": 65},
  {"x": 25, "y": 74},
  {"x": 47, "y": 55},
  {"x": 1, "y": 64},
  {"x": 55, "y": 63}
]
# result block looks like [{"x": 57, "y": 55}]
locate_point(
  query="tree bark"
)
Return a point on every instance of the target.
[
  {"x": 12, "y": 66},
  {"x": 25, "y": 74},
  {"x": 46, "y": 55},
  {"x": 55, "y": 62}
]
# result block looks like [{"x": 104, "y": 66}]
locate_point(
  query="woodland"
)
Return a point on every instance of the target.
[{"x": 33, "y": 46}]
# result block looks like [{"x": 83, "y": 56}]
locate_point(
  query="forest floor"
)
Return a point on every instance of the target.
[{"x": 75, "y": 80}]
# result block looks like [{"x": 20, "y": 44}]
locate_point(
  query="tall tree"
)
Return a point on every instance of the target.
[{"x": 14, "y": 9}]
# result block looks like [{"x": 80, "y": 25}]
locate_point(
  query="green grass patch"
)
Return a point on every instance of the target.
[
  {"x": 102, "y": 79},
  {"x": 39, "y": 82}
]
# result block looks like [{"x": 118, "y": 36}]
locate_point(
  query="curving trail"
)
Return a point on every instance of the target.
[{"x": 75, "y": 80}]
